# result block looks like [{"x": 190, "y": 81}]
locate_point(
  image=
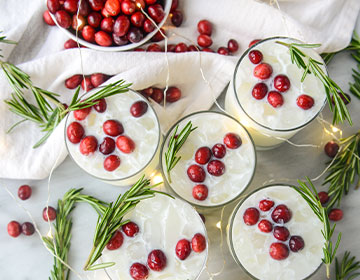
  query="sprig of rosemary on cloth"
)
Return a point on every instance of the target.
[{"x": 348, "y": 269}]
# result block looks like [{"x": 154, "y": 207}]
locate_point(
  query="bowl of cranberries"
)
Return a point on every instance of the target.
[{"x": 109, "y": 25}]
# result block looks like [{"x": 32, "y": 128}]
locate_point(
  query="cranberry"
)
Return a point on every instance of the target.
[
  {"x": 196, "y": 173},
  {"x": 336, "y": 214},
  {"x": 103, "y": 39},
  {"x": 81, "y": 114},
  {"x": 139, "y": 271},
  {"x": 255, "y": 56},
  {"x": 223, "y": 51},
  {"x": 111, "y": 163},
  {"x": 216, "y": 167},
  {"x": 107, "y": 146},
  {"x": 98, "y": 78},
  {"x": 128, "y": 7},
  {"x": 137, "y": 19},
  {"x": 207, "y": 50},
  {"x": 279, "y": 251},
  {"x": 344, "y": 96},
  {"x": 148, "y": 92},
  {"x": 53, "y": 6},
  {"x": 218, "y": 150},
  {"x": 263, "y": 71},
  {"x": 233, "y": 45},
  {"x": 130, "y": 229},
  {"x": 173, "y": 94},
  {"x": 204, "y": 27},
  {"x": 63, "y": 19},
  {"x": 176, "y": 18},
  {"x": 282, "y": 83},
  {"x": 107, "y": 24},
  {"x": 88, "y": 33},
  {"x": 27, "y": 228},
  {"x": 251, "y": 216},
  {"x": 183, "y": 249},
  {"x": 70, "y": 6},
  {"x": 158, "y": 95},
  {"x": 105, "y": 13},
  {"x": 148, "y": 26},
  {"x": 150, "y": 2},
  {"x": 305, "y": 101},
  {"x": 323, "y": 197},
  {"x": 192, "y": 48},
  {"x": 121, "y": 25},
  {"x": 174, "y": 5},
  {"x": 171, "y": 47},
  {"x": 281, "y": 233},
  {"x": 181, "y": 47},
  {"x": 48, "y": 19},
  {"x": 232, "y": 141},
  {"x": 158, "y": 36},
  {"x": 253, "y": 42},
  {"x": 75, "y": 132},
  {"x": 138, "y": 109},
  {"x": 116, "y": 241},
  {"x": 120, "y": 41},
  {"x": 88, "y": 145},
  {"x": 266, "y": 205},
  {"x": 125, "y": 144},
  {"x": 200, "y": 192},
  {"x": 137, "y": 49},
  {"x": 331, "y": 148},
  {"x": 24, "y": 192},
  {"x": 100, "y": 106},
  {"x": 74, "y": 81},
  {"x": 204, "y": 41},
  {"x": 113, "y": 128},
  {"x": 135, "y": 35},
  {"x": 156, "y": 12},
  {"x": 86, "y": 84},
  {"x": 259, "y": 91},
  {"x": 84, "y": 8},
  {"x": 198, "y": 243},
  {"x": 296, "y": 243},
  {"x": 14, "y": 229},
  {"x": 96, "y": 5},
  {"x": 78, "y": 22},
  {"x": 113, "y": 7},
  {"x": 203, "y": 155},
  {"x": 275, "y": 99},
  {"x": 281, "y": 214},
  {"x": 49, "y": 214},
  {"x": 94, "y": 19},
  {"x": 154, "y": 48},
  {"x": 265, "y": 226},
  {"x": 70, "y": 44},
  {"x": 140, "y": 4},
  {"x": 156, "y": 260}
]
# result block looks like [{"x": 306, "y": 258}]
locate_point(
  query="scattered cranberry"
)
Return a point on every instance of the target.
[
  {"x": 125, "y": 144},
  {"x": 281, "y": 233},
  {"x": 14, "y": 229},
  {"x": 27, "y": 228},
  {"x": 113, "y": 128},
  {"x": 138, "y": 50},
  {"x": 232, "y": 141},
  {"x": 331, "y": 148},
  {"x": 113, "y": 7},
  {"x": 116, "y": 241},
  {"x": 176, "y": 18},
  {"x": 121, "y": 25},
  {"x": 88, "y": 33},
  {"x": 336, "y": 214},
  {"x": 74, "y": 81},
  {"x": 251, "y": 216},
  {"x": 98, "y": 78},
  {"x": 223, "y": 51},
  {"x": 207, "y": 50},
  {"x": 130, "y": 229},
  {"x": 156, "y": 260},
  {"x": 296, "y": 243},
  {"x": 204, "y": 27},
  {"x": 24, "y": 192},
  {"x": 158, "y": 95},
  {"x": 70, "y": 44},
  {"x": 203, "y": 155},
  {"x": 198, "y": 243},
  {"x": 81, "y": 114},
  {"x": 282, "y": 83},
  {"x": 204, "y": 41},
  {"x": 137, "y": 19},
  {"x": 174, "y": 5},
  {"x": 53, "y": 6},
  {"x": 128, "y": 7},
  {"x": 96, "y": 5},
  {"x": 216, "y": 167},
  {"x": 100, "y": 106},
  {"x": 281, "y": 214},
  {"x": 200, "y": 192},
  {"x": 275, "y": 99},
  {"x": 173, "y": 94},
  {"x": 154, "y": 48},
  {"x": 139, "y": 271},
  {"x": 48, "y": 19},
  {"x": 183, "y": 249},
  {"x": 181, "y": 47},
  {"x": 305, "y": 101},
  {"x": 263, "y": 71},
  {"x": 192, "y": 48},
  {"x": 138, "y": 109},
  {"x": 265, "y": 226},
  {"x": 94, "y": 19},
  {"x": 158, "y": 36},
  {"x": 63, "y": 19},
  {"x": 218, "y": 150},
  {"x": 171, "y": 47},
  {"x": 107, "y": 146},
  {"x": 156, "y": 12},
  {"x": 255, "y": 56},
  {"x": 88, "y": 145},
  {"x": 233, "y": 46},
  {"x": 253, "y": 42},
  {"x": 259, "y": 91},
  {"x": 266, "y": 205},
  {"x": 111, "y": 163},
  {"x": 75, "y": 132},
  {"x": 49, "y": 214},
  {"x": 279, "y": 251},
  {"x": 135, "y": 35},
  {"x": 345, "y": 98},
  {"x": 196, "y": 173},
  {"x": 323, "y": 197},
  {"x": 86, "y": 84}
]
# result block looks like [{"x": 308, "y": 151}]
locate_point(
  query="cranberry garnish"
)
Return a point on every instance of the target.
[
  {"x": 116, "y": 241},
  {"x": 331, "y": 148},
  {"x": 336, "y": 214},
  {"x": 345, "y": 98},
  {"x": 251, "y": 216},
  {"x": 14, "y": 229},
  {"x": 70, "y": 44},
  {"x": 96, "y": 5},
  {"x": 24, "y": 192},
  {"x": 156, "y": 12},
  {"x": 138, "y": 109},
  {"x": 171, "y": 47},
  {"x": 204, "y": 41},
  {"x": 198, "y": 243},
  {"x": 103, "y": 39},
  {"x": 49, "y": 214},
  {"x": 113, "y": 7},
  {"x": 263, "y": 71},
  {"x": 282, "y": 83},
  {"x": 218, "y": 150},
  {"x": 265, "y": 226},
  {"x": 130, "y": 229},
  {"x": 135, "y": 35},
  {"x": 74, "y": 81},
  {"x": 305, "y": 101},
  {"x": 154, "y": 48},
  {"x": 255, "y": 56},
  {"x": 137, "y": 19},
  {"x": 281, "y": 214},
  {"x": 233, "y": 45},
  {"x": 139, "y": 271},
  {"x": 148, "y": 26},
  {"x": 48, "y": 19},
  {"x": 196, "y": 173},
  {"x": 156, "y": 260},
  {"x": 100, "y": 106},
  {"x": 279, "y": 251},
  {"x": 113, "y": 128},
  {"x": 107, "y": 146},
  {"x": 158, "y": 95},
  {"x": 296, "y": 243},
  {"x": 75, "y": 132},
  {"x": 183, "y": 249},
  {"x": 121, "y": 25},
  {"x": 204, "y": 27},
  {"x": 88, "y": 145},
  {"x": 181, "y": 47},
  {"x": 128, "y": 7},
  {"x": 63, "y": 19},
  {"x": 158, "y": 36},
  {"x": 111, "y": 163},
  {"x": 192, "y": 48},
  {"x": 281, "y": 233},
  {"x": 98, "y": 78},
  {"x": 232, "y": 141},
  {"x": 266, "y": 205},
  {"x": 88, "y": 33},
  {"x": 203, "y": 155},
  {"x": 176, "y": 18},
  {"x": 253, "y": 42},
  {"x": 107, "y": 24},
  {"x": 70, "y": 6},
  {"x": 27, "y": 228},
  {"x": 125, "y": 144},
  {"x": 223, "y": 51},
  {"x": 120, "y": 41},
  {"x": 259, "y": 91},
  {"x": 53, "y": 5},
  {"x": 200, "y": 192},
  {"x": 81, "y": 114},
  {"x": 86, "y": 84},
  {"x": 216, "y": 167},
  {"x": 275, "y": 99},
  {"x": 323, "y": 197},
  {"x": 207, "y": 50}
]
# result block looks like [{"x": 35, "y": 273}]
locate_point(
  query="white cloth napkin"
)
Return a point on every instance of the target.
[{"x": 40, "y": 53}]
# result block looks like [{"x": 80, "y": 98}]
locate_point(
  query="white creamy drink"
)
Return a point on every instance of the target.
[
  {"x": 274, "y": 235},
  {"x": 119, "y": 141},
  {"x": 267, "y": 96},
  {"x": 217, "y": 160}
]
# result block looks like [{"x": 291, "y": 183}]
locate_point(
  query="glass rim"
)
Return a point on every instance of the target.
[
  {"x": 128, "y": 176},
  {"x": 237, "y": 98},
  {"x": 166, "y": 181},
  {"x": 231, "y": 224}
]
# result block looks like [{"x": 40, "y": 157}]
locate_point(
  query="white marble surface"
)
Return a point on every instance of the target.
[{"x": 26, "y": 258}]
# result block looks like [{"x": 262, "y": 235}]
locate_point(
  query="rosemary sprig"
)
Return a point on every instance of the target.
[
  {"x": 310, "y": 195},
  {"x": 175, "y": 144},
  {"x": 5, "y": 41},
  {"x": 298, "y": 57},
  {"x": 348, "y": 269},
  {"x": 344, "y": 169}
]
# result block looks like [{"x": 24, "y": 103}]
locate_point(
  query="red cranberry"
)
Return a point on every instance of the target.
[
  {"x": 181, "y": 47},
  {"x": 176, "y": 18},
  {"x": 323, "y": 197},
  {"x": 255, "y": 56},
  {"x": 282, "y": 83},
  {"x": 173, "y": 94},
  {"x": 105, "y": 13},
  {"x": 263, "y": 71},
  {"x": 78, "y": 22},
  {"x": 232, "y": 141},
  {"x": 120, "y": 41},
  {"x": 81, "y": 114},
  {"x": 154, "y": 48},
  {"x": 158, "y": 36},
  {"x": 75, "y": 132},
  {"x": 113, "y": 7},
  {"x": 158, "y": 95},
  {"x": 223, "y": 51},
  {"x": 305, "y": 101},
  {"x": 27, "y": 228},
  {"x": 74, "y": 81},
  {"x": 48, "y": 19},
  {"x": 135, "y": 35},
  {"x": 98, "y": 78},
  {"x": 111, "y": 163},
  {"x": 121, "y": 25},
  {"x": 216, "y": 167},
  {"x": 198, "y": 243},
  {"x": 259, "y": 91},
  {"x": 88, "y": 33},
  {"x": 174, "y": 5},
  {"x": 14, "y": 229},
  {"x": 251, "y": 216},
  {"x": 296, "y": 243},
  {"x": 344, "y": 96},
  {"x": 107, "y": 146},
  {"x": 116, "y": 241},
  {"x": 103, "y": 39},
  {"x": 138, "y": 109},
  {"x": 125, "y": 144},
  {"x": 148, "y": 92},
  {"x": 233, "y": 46},
  {"x": 281, "y": 233},
  {"x": 113, "y": 128},
  {"x": 24, "y": 192},
  {"x": 204, "y": 41},
  {"x": 265, "y": 226},
  {"x": 100, "y": 106},
  {"x": 275, "y": 99},
  {"x": 331, "y": 148},
  {"x": 70, "y": 44},
  {"x": 70, "y": 6},
  {"x": 53, "y": 6},
  {"x": 200, "y": 192},
  {"x": 140, "y": 4},
  {"x": 84, "y": 8},
  {"x": 107, "y": 24},
  {"x": 139, "y": 271},
  {"x": 203, "y": 155},
  {"x": 137, "y": 49},
  {"x": 88, "y": 145},
  {"x": 130, "y": 229},
  {"x": 96, "y": 5},
  {"x": 281, "y": 214},
  {"x": 192, "y": 48},
  {"x": 207, "y": 50},
  {"x": 137, "y": 19},
  {"x": 148, "y": 26},
  {"x": 204, "y": 27},
  {"x": 156, "y": 12},
  {"x": 196, "y": 173},
  {"x": 171, "y": 47},
  {"x": 156, "y": 260},
  {"x": 183, "y": 249},
  {"x": 49, "y": 214},
  {"x": 150, "y": 2},
  {"x": 279, "y": 251},
  {"x": 63, "y": 19},
  {"x": 86, "y": 84},
  {"x": 253, "y": 42},
  {"x": 336, "y": 214},
  {"x": 218, "y": 150},
  {"x": 128, "y": 7},
  {"x": 266, "y": 205}
]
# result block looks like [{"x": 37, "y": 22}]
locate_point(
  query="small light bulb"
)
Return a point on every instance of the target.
[
  {"x": 138, "y": 5},
  {"x": 157, "y": 179},
  {"x": 335, "y": 129},
  {"x": 49, "y": 234},
  {"x": 218, "y": 224}
]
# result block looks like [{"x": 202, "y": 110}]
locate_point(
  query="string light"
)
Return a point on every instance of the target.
[{"x": 218, "y": 224}]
